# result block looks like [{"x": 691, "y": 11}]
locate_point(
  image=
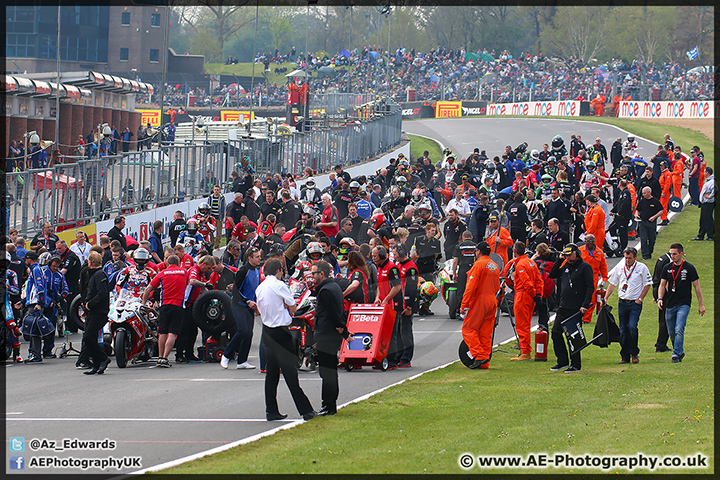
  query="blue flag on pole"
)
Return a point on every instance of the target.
[{"x": 693, "y": 54}]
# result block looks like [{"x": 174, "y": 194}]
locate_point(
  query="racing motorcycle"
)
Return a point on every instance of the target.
[
  {"x": 449, "y": 289},
  {"x": 133, "y": 327},
  {"x": 302, "y": 324}
]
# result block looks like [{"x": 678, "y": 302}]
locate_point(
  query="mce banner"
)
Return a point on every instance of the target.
[{"x": 646, "y": 109}]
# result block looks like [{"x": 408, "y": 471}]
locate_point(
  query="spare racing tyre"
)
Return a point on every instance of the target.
[{"x": 212, "y": 313}]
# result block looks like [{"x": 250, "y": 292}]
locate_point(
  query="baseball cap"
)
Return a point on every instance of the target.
[
  {"x": 32, "y": 255},
  {"x": 484, "y": 247},
  {"x": 492, "y": 218}
]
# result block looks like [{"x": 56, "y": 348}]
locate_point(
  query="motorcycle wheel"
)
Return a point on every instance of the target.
[
  {"x": 120, "y": 348},
  {"x": 212, "y": 313},
  {"x": 76, "y": 313},
  {"x": 453, "y": 303},
  {"x": 107, "y": 344}
]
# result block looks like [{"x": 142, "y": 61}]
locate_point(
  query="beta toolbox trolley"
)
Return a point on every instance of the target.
[{"x": 372, "y": 327}]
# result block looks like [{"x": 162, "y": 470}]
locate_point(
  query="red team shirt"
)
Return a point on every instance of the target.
[{"x": 174, "y": 281}]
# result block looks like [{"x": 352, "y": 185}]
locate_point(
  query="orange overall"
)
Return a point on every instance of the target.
[
  {"x": 483, "y": 283},
  {"x": 595, "y": 224},
  {"x": 701, "y": 180},
  {"x": 505, "y": 242},
  {"x": 677, "y": 177},
  {"x": 527, "y": 284},
  {"x": 596, "y": 259},
  {"x": 665, "y": 184}
]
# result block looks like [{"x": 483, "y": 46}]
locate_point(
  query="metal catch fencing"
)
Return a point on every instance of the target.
[{"x": 80, "y": 191}]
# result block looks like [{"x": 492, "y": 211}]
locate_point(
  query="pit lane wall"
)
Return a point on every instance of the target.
[{"x": 647, "y": 109}]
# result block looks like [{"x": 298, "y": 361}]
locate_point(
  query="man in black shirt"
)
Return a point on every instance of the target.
[
  {"x": 649, "y": 180},
  {"x": 616, "y": 152},
  {"x": 250, "y": 207},
  {"x": 537, "y": 234},
  {"x": 233, "y": 213},
  {"x": 463, "y": 260},
  {"x": 115, "y": 232},
  {"x": 556, "y": 208},
  {"x": 45, "y": 238},
  {"x": 452, "y": 230},
  {"x": 556, "y": 238},
  {"x": 518, "y": 218},
  {"x": 269, "y": 206},
  {"x": 341, "y": 174},
  {"x": 677, "y": 281},
  {"x": 575, "y": 294},
  {"x": 177, "y": 227},
  {"x": 70, "y": 266},
  {"x": 649, "y": 209},
  {"x": 426, "y": 251},
  {"x": 330, "y": 329},
  {"x": 290, "y": 212},
  {"x": 661, "y": 343},
  {"x": 346, "y": 227},
  {"x": 342, "y": 199}
]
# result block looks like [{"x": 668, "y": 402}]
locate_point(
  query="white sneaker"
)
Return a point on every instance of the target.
[
  {"x": 224, "y": 361},
  {"x": 245, "y": 366}
]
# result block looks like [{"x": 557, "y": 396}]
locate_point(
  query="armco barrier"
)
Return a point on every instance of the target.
[{"x": 694, "y": 109}]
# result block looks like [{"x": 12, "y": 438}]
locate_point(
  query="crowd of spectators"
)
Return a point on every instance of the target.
[{"x": 453, "y": 74}]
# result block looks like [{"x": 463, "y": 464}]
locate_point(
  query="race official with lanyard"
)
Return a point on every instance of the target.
[{"x": 634, "y": 281}]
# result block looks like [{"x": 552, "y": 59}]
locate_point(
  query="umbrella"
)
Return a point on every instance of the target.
[
  {"x": 345, "y": 53},
  {"x": 234, "y": 86},
  {"x": 434, "y": 78},
  {"x": 471, "y": 56},
  {"x": 373, "y": 56},
  {"x": 489, "y": 77},
  {"x": 487, "y": 57},
  {"x": 326, "y": 72},
  {"x": 297, "y": 73}
]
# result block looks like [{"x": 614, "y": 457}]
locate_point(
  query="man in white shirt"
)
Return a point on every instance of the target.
[
  {"x": 81, "y": 248},
  {"x": 276, "y": 306},
  {"x": 460, "y": 204},
  {"x": 634, "y": 282}
]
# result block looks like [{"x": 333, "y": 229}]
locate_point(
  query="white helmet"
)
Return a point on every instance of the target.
[
  {"x": 44, "y": 258},
  {"x": 309, "y": 181},
  {"x": 534, "y": 153}
]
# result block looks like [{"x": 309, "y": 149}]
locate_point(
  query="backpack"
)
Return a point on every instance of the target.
[{"x": 548, "y": 283}]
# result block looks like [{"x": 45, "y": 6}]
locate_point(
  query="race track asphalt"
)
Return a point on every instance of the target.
[{"x": 161, "y": 414}]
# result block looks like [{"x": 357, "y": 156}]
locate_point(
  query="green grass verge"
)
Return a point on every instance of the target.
[
  {"x": 424, "y": 425},
  {"x": 418, "y": 145}
]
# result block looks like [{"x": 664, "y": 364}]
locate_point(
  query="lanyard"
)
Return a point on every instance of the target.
[
  {"x": 628, "y": 275},
  {"x": 674, "y": 275},
  {"x": 592, "y": 254}
]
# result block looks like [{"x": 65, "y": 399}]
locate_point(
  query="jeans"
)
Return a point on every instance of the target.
[
  {"x": 648, "y": 234},
  {"x": 694, "y": 190},
  {"x": 240, "y": 342},
  {"x": 628, "y": 317},
  {"x": 676, "y": 318}
]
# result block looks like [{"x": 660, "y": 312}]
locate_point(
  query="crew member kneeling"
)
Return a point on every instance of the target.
[
  {"x": 480, "y": 304},
  {"x": 528, "y": 286}
]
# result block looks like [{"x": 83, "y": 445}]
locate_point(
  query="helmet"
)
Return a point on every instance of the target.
[
  {"x": 534, "y": 153},
  {"x": 447, "y": 152},
  {"x": 141, "y": 257},
  {"x": 354, "y": 186},
  {"x": 546, "y": 178},
  {"x": 401, "y": 155},
  {"x": 313, "y": 248},
  {"x": 404, "y": 162},
  {"x": 631, "y": 138},
  {"x": 44, "y": 258},
  {"x": 551, "y": 160},
  {"x": 489, "y": 164},
  {"x": 451, "y": 158},
  {"x": 424, "y": 210},
  {"x": 590, "y": 165},
  {"x": 192, "y": 226},
  {"x": 310, "y": 182},
  {"x": 417, "y": 195},
  {"x": 558, "y": 141},
  {"x": 204, "y": 208},
  {"x": 401, "y": 180},
  {"x": 428, "y": 289},
  {"x": 521, "y": 148},
  {"x": 349, "y": 242},
  {"x": 377, "y": 220}
]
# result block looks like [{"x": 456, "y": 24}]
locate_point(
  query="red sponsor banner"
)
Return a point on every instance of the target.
[
  {"x": 448, "y": 109},
  {"x": 150, "y": 116},
  {"x": 234, "y": 115}
]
